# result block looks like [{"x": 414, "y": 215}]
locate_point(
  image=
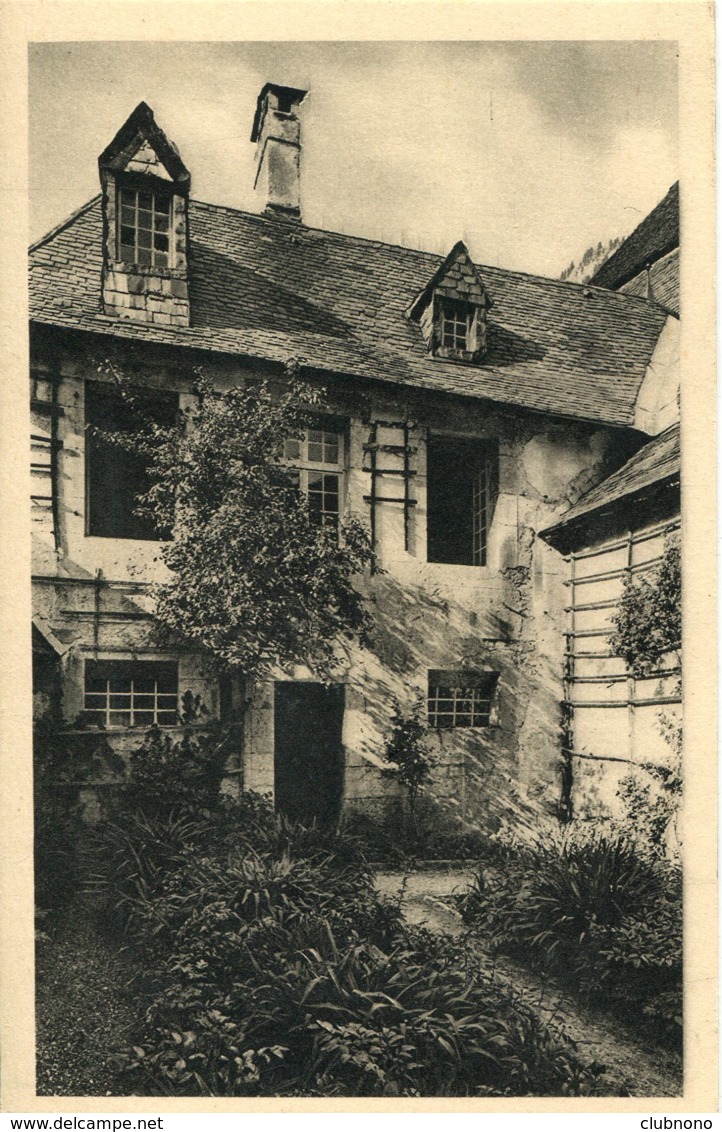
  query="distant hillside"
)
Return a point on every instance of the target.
[{"x": 590, "y": 262}]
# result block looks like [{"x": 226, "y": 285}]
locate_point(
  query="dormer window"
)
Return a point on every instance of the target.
[
  {"x": 452, "y": 309},
  {"x": 145, "y": 200},
  {"x": 143, "y": 234}
]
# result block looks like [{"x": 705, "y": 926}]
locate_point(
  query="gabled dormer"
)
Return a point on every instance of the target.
[
  {"x": 452, "y": 308},
  {"x": 145, "y": 189}
]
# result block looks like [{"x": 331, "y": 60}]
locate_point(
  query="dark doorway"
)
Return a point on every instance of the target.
[{"x": 308, "y": 756}]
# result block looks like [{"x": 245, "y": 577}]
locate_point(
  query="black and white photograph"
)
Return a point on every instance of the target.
[{"x": 356, "y": 392}]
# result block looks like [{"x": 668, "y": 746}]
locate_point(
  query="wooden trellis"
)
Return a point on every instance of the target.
[{"x": 376, "y": 452}]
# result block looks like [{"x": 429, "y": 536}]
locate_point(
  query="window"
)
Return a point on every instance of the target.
[
  {"x": 456, "y": 324},
  {"x": 115, "y": 477},
  {"x": 144, "y": 229},
  {"x": 318, "y": 456},
  {"x": 462, "y": 485},
  {"x": 122, "y": 693},
  {"x": 461, "y": 699}
]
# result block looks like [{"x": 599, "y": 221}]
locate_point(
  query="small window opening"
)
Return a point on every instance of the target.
[
  {"x": 139, "y": 693},
  {"x": 285, "y": 103},
  {"x": 461, "y": 486},
  {"x": 461, "y": 699}
]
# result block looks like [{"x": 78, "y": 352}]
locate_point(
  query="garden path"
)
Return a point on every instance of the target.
[{"x": 634, "y": 1067}]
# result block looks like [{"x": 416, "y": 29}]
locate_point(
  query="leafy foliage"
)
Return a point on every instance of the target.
[
  {"x": 253, "y": 580},
  {"x": 648, "y": 623},
  {"x": 591, "y": 911}
]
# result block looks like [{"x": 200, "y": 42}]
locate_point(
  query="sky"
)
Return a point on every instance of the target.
[{"x": 528, "y": 151}]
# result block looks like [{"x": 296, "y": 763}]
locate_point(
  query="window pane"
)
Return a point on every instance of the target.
[
  {"x": 143, "y": 718},
  {"x": 161, "y": 259},
  {"x": 127, "y": 215},
  {"x": 144, "y": 255},
  {"x": 162, "y": 205},
  {"x": 315, "y": 452},
  {"x": 161, "y": 223},
  {"x": 160, "y": 242},
  {"x": 292, "y": 450},
  {"x": 145, "y": 200}
]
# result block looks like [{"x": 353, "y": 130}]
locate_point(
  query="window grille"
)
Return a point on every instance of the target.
[
  {"x": 144, "y": 231},
  {"x": 121, "y": 693},
  {"x": 318, "y": 455},
  {"x": 461, "y": 699}
]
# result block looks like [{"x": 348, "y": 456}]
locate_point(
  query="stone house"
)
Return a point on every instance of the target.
[{"x": 467, "y": 409}]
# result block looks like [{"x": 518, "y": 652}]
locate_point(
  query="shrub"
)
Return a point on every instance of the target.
[
  {"x": 593, "y": 912},
  {"x": 276, "y": 970}
]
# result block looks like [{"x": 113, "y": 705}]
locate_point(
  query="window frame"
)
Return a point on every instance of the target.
[
  {"x": 448, "y": 309},
  {"x": 305, "y": 466},
  {"x": 156, "y": 193},
  {"x": 470, "y": 698},
  {"x": 119, "y": 671}
]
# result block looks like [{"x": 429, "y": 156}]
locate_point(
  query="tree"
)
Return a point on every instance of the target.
[
  {"x": 254, "y": 582},
  {"x": 410, "y": 762}
]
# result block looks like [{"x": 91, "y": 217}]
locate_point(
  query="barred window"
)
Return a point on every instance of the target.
[
  {"x": 318, "y": 455},
  {"x": 122, "y": 693},
  {"x": 144, "y": 229},
  {"x": 461, "y": 698}
]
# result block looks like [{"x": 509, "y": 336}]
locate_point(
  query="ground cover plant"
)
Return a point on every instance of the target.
[
  {"x": 596, "y": 913},
  {"x": 271, "y": 967}
]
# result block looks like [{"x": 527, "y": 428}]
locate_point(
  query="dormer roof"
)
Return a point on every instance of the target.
[
  {"x": 456, "y": 278},
  {"x": 141, "y": 146}
]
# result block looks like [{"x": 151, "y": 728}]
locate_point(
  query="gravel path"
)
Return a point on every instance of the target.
[
  {"x": 83, "y": 1012},
  {"x": 633, "y": 1067}
]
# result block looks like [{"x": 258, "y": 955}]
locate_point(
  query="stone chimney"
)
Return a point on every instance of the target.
[{"x": 277, "y": 134}]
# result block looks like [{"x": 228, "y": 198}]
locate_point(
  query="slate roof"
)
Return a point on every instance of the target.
[
  {"x": 656, "y": 462},
  {"x": 656, "y": 236},
  {"x": 264, "y": 288}
]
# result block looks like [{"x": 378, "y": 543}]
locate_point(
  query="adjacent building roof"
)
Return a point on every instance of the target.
[
  {"x": 658, "y": 462},
  {"x": 264, "y": 288},
  {"x": 656, "y": 236}
]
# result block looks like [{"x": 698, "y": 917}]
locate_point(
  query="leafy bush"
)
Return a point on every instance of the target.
[
  {"x": 648, "y": 623},
  {"x": 166, "y": 772},
  {"x": 595, "y": 913},
  {"x": 274, "y": 969}
]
